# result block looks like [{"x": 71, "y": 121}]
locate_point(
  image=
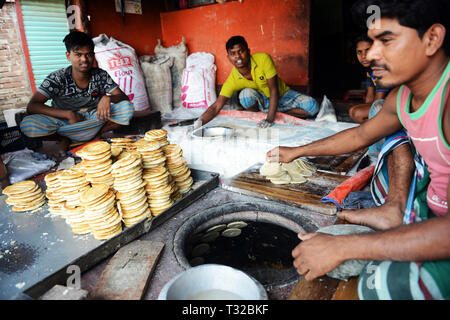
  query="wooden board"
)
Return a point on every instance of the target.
[
  {"x": 338, "y": 164},
  {"x": 127, "y": 273},
  {"x": 307, "y": 195}
]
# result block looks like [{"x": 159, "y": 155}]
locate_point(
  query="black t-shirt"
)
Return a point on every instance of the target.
[{"x": 65, "y": 94}]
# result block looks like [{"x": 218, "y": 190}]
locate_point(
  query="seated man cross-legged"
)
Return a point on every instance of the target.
[
  {"x": 260, "y": 89},
  {"x": 86, "y": 102}
]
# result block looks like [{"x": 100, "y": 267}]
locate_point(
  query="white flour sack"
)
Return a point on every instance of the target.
[
  {"x": 122, "y": 64},
  {"x": 198, "y": 84}
]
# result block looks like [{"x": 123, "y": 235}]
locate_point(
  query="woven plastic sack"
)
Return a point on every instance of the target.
[
  {"x": 158, "y": 81},
  {"x": 122, "y": 64},
  {"x": 179, "y": 54}
]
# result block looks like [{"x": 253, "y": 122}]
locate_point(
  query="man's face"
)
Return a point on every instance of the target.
[
  {"x": 239, "y": 56},
  {"x": 81, "y": 58},
  {"x": 397, "y": 55},
  {"x": 362, "y": 48}
]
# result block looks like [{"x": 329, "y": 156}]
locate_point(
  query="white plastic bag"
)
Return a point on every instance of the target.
[
  {"x": 121, "y": 63},
  {"x": 158, "y": 81},
  {"x": 199, "y": 81},
  {"x": 326, "y": 111},
  {"x": 179, "y": 54},
  {"x": 24, "y": 164}
]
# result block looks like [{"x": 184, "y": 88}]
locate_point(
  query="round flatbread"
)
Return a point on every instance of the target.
[
  {"x": 237, "y": 224},
  {"x": 218, "y": 228},
  {"x": 270, "y": 169},
  {"x": 231, "y": 232}
]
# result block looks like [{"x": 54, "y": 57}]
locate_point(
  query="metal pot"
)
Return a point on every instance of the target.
[
  {"x": 213, "y": 132},
  {"x": 213, "y": 282}
]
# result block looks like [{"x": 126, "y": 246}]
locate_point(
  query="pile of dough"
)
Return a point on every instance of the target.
[{"x": 294, "y": 172}]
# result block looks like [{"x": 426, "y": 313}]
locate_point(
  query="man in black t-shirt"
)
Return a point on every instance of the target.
[{"x": 86, "y": 102}]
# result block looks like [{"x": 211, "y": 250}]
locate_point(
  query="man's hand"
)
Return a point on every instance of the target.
[
  {"x": 281, "y": 154},
  {"x": 104, "y": 109},
  {"x": 197, "y": 124},
  {"x": 316, "y": 255},
  {"x": 74, "y": 117},
  {"x": 265, "y": 124}
]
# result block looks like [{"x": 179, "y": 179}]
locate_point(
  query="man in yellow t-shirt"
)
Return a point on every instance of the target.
[{"x": 255, "y": 77}]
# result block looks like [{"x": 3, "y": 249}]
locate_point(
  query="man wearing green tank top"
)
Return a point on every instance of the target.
[{"x": 410, "y": 252}]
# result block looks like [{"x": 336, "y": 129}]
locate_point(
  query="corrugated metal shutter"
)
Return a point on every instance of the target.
[{"x": 46, "y": 25}]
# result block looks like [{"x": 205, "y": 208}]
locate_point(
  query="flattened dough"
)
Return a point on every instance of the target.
[
  {"x": 294, "y": 172},
  {"x": 270, "y": 169}
]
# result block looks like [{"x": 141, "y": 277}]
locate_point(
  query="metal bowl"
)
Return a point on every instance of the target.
[
  {"x": 213, "y": 132},
  {"x": 213, "y": 282}
]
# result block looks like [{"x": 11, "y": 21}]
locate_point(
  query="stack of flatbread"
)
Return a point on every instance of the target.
[
  {"x": 151, "y": 153},
  {"x": 73, "y": 183},
  {"x": 97, "y": 162},
  {"x": 157, "y": 135},
  {"x": 24, "y": 196},
  {"x": 75, "y": 218},
  {"x": 159, "y": 188},
  {"x": 120, "y": 144},
  {"x": 178, "y": 168},
  {"x": 295, "y": 172},
  {"x": 131, "y": 195},
  {"x": 100, "y": 211},
  {"x": 54, "y": 195}
]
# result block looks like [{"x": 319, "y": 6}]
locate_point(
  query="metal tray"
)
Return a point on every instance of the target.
[{"x": 36, "y": 249}]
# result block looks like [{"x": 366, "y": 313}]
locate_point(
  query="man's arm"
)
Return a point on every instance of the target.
[
  {"x": 429, "y": 240},
  {"x": 37, "y": 106},
  {"x": 383, "y": 124},
  {"x": 273, "y": 101},
  {"x": 104, "y": 105},
  {"x": 370, "y": 95},
  {"x": 211, "y": 112}
]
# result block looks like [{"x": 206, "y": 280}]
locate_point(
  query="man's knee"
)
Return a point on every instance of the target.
[
  {"x": 312, "y": 107},
  {"x": 28, "y": 127},
  {"x": 248, "y": 98},
  {"x": 359, "y": 113},
  {"x": 295, "y": 100},
  {"x": 122, "y": 112}
]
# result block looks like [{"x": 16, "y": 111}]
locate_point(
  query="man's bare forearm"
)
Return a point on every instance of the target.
[
  {"x": 343, "y": 142},
  {"x": 273, "y": 106},
  {"x": 115, "y": 98},
  {"x": 402, "y": 243},
  {"x": 213, "y": 110},
  {"x": 37, "y": 107}
]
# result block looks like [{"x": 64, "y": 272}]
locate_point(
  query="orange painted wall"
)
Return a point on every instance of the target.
[
  {"x": 139, "y": 31},
  {"x": 278, "y": 27}
]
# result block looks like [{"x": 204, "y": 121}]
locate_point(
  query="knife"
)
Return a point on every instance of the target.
[{"x": 183, "y": 123}]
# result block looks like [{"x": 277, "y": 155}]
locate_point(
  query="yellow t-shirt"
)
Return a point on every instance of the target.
[{"x": 263, "y": 68}]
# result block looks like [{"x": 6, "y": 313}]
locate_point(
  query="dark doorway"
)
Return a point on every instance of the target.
[{"x": 335, "y": 69}]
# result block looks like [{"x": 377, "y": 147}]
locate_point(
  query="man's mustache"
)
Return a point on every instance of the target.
[{"x": 374, "y": 64}]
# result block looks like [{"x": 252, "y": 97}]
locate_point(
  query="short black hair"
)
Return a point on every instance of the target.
[
  {"x": 362, "y": 38},
  {"x": 416, "y": 14},
  {"x": 77, "y": 39},
  {"x": 234, "y": 41}
]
